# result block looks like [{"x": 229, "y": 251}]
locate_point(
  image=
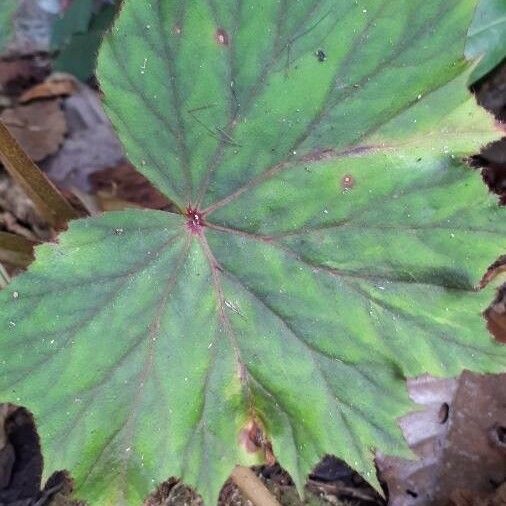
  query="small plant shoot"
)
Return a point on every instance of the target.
[{"x": 328, "y": 245}]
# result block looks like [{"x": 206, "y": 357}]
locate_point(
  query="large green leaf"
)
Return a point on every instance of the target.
[
  {"x": 328, "y": 246},
  {"x": 487, "y": 36}
]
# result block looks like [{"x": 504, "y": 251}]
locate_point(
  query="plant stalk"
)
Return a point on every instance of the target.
[
  {"x": 16, "y": 250},
  {"x": 252, "y": 487}
]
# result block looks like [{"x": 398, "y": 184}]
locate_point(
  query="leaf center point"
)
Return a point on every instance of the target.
[{"x": 194, "y": 221}]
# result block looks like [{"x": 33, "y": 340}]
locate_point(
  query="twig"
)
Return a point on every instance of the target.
[{"x": 252, "y": 487}]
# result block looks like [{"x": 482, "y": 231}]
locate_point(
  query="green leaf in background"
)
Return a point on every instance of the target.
[
  {"x": 7, "y": 10},
  {"x": 328, "y": 246},
  {"x": 487, "y": 36},
  {"x": 77, "y": 36},
  {"x": 74, "y": 19}
]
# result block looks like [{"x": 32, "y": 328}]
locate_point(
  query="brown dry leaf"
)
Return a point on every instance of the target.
[
  {"x": 57, "y": 85},
  {"x": 18, "y": 74},
  {"x": 467, "y": 498},
  {"x": 19, "y": 70},
  {"x": 87, "y": 126},
  {"x": 457, "y": 437},
  {"x": 18, "y": 213},
  {"x": 12, "y": 70},
  {"x": 15, "y": 201},
  {"x": 39, "y": 127},
  {"x": 124, "y": 183}
]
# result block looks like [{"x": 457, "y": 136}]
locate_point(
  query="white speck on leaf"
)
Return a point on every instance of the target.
[{"x": 143, "y": 66}]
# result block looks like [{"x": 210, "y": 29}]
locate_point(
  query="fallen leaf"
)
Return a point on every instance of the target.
[
  {"x": 18, "y": 214},
  {"x": 16, "y": 74},
  {"x": 55, "y": 86},
  {"x": 125, "y": 183},
  {"x": 454, "y": 438},
  {"x": 469, "y": 498},
  {"x": 39, "y": 127},
  {"x": 87, "y": 126}
]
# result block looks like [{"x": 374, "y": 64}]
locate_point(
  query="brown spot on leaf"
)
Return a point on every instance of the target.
[
  {"x": 177, "y": 30},
  {"x": 249, "y": 438},
  {"x": 347, "y": 182},
  {"x": 252, "y": 437},
  {"x": 222, "y": 37}
]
